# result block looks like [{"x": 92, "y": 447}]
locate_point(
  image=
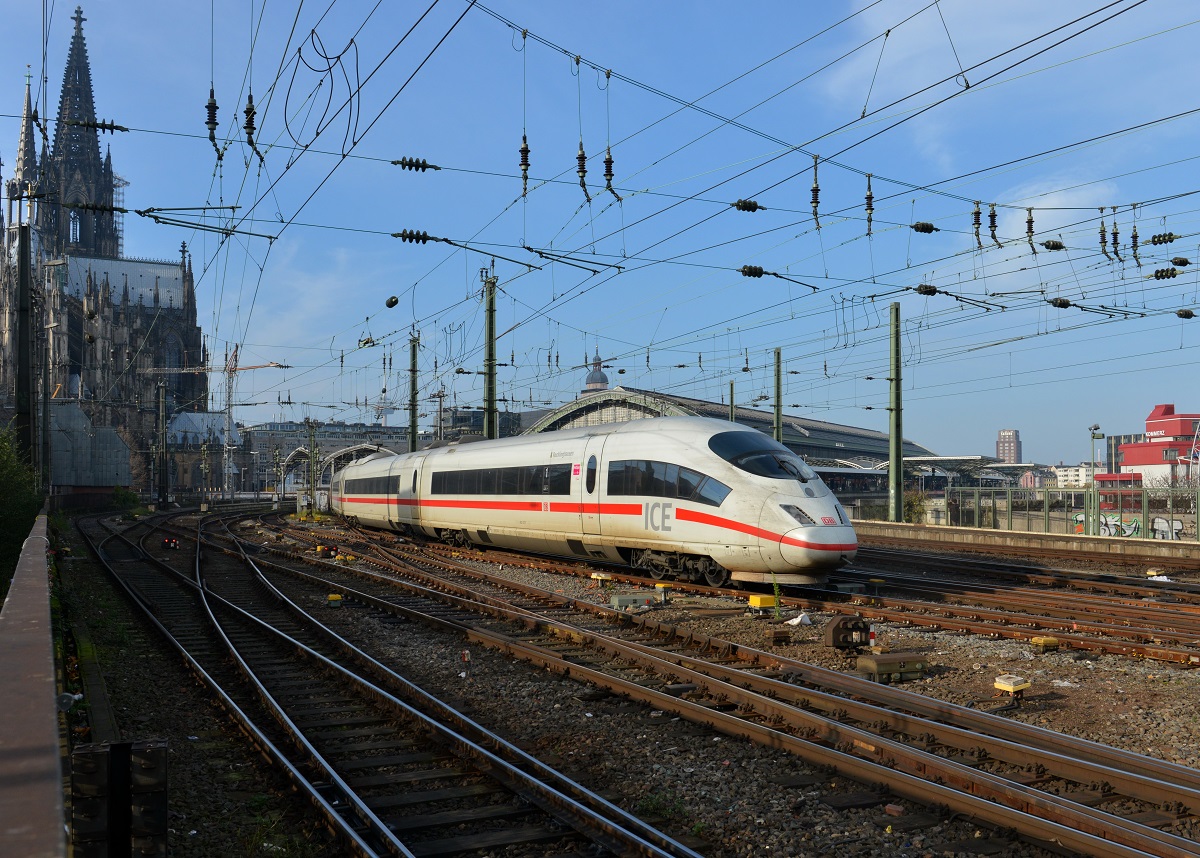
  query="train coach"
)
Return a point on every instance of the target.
[{"x": 689, "y": 498}]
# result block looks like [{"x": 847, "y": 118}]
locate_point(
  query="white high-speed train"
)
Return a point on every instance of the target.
[{"x": 680, "y": 497}]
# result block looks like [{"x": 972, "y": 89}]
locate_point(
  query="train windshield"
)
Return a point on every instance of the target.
[{"x": 760, "y": 455}]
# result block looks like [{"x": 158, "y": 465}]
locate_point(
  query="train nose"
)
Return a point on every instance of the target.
[{"x": 833, "y": 545}]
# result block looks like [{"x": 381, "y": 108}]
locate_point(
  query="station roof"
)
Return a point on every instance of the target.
[{"x": 815, "y": 440}]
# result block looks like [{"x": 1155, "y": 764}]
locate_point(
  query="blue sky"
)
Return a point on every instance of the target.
[{"x": 1062, "y": 107}]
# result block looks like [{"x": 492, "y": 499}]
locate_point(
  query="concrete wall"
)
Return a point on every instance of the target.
[{"x": 976, "y": 539}]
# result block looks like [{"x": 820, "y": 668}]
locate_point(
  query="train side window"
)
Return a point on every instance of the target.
[
  {"x": 510, "y": 481},
  {"x": 558, "y": 479},
  {"x": 488, "y": 481},
  {"x": 591, "y": 474},
  {"x": 670, "y": 481},
  {"x": 531, "y": 480},
  {"x": 689, "y": 481},
  {"x": 712, "y": 492}
]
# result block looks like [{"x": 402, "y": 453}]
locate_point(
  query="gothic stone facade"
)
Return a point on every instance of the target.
[{"x": 110, "y": 329}]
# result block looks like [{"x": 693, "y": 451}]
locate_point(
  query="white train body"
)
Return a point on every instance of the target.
[{"x": 685, "y": 497}]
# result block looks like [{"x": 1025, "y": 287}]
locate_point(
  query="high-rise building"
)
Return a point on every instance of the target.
[{"x": 1008, "y": 446}]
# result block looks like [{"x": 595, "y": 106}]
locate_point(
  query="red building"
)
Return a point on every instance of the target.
[{"x": 1170, "y": 452}]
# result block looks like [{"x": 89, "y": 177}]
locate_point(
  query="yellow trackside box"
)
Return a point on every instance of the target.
[
  {"x": 1011, "y": 683},
  {"x": 334, "y": 600},
  {"x": 1044, "y": 643},
  {"x": 761, "y": 602}
]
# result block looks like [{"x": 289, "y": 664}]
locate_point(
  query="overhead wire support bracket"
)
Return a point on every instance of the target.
[
  {"x": 758, "y": 271},
  {"x": 203, "y": 227},
  {"x": 1111, "y": 312},
  {"x": 929, "y": 290},
  {"x": 568, "y": 260},
  {"x": 421, "y": 237}
]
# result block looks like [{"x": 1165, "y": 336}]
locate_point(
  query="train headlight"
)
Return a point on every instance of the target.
[{"x": 797, "y": 513}]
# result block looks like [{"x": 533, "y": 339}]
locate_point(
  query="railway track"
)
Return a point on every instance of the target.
[
  {"x": 391, "y": 778},
  {"x": 1038, "y": 782},
  {"x": 1153, "y": 620}
]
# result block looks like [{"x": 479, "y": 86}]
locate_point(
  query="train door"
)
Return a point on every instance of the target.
[
  {"x": 591, "y": 486},
  {"x": 405, "y": 483}
]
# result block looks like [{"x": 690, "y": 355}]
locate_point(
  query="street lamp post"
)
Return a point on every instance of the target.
[{"x": 1097, "y": 435}]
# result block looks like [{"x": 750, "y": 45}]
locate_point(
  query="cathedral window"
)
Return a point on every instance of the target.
[{"x": 74, "y": 227}]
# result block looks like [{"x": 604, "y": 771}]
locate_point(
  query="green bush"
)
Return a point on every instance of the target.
[
  {"x": 20, "y": 502},
  {"x": 124, "y": 498}
]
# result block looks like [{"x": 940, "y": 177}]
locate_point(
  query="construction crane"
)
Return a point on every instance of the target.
[{"x": 231, "y": 369}]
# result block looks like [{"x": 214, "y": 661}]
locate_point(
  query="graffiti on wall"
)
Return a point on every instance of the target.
[
  {"x": 1115, "y": 525},
  {"x": 1161, "y": 528}
]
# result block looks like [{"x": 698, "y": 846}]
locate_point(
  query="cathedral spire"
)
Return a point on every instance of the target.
[
  {"x": 25, "y": 170},
  {"x": 75, "y": 174},
  {"x": 77, "y": 104}
]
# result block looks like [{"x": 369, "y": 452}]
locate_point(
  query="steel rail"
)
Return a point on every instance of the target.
[
  {"x": 349, "y": 838},
  {"x": 893, "y": 754},
  {"x": 969, "y": 719},
  {"x": 570, "y": 802}
]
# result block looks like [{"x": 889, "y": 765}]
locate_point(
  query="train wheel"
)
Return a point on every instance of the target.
[
  {"x": 715, "y": 576},
  {"x": 645, "y": 561}
]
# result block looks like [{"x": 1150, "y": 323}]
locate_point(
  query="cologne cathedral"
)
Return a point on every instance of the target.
[{"x": 107, "y": 329}]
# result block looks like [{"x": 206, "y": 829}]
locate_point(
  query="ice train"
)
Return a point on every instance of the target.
[{"x": 689, "y": 498}]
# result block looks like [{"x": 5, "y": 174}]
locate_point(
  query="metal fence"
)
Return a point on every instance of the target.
[{"x": 1142, "y": 513}]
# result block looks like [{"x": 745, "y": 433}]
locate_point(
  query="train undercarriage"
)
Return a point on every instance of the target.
[{"x": 670, "y": 564}]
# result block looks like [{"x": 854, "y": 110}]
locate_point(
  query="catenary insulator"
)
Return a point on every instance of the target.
[
  {"x": 976, "y": 222},
  {"x": 924, "y": 226},
  {"x": 752, "y": 271},
  {"x": 1103, "y": 235},
  {"x": 419, "y": 165},
  {"x": 926, "y": 289},
  {"x": 1053, "y": 244},
  {"x": 581, "y": 158},
  {"x": 1185, "y": 314},
  {"x": 211, "y": 107},
  {"x": 1029, "y": 228},
  {"x": 1115, "y": 240},
  {"x": 412, "y": 235},
  {"x": 392, "y": 301},
  {"x": 608, "y": 173},
  {"x": 248, "y": 125},
  {"x": 1163, "y": 238},
  {"x": 1133, "y": 243},
  {"x": 211, "y": 123},
  {"x": 816, "y": 192},
  {"x": 1060, "y": 303},
  {"x": 870, "y": 204},
  {"x": 992, "y": 223},
  {"x": 1181, "y": 261},
  {"x": 747, "y": 206},
  {"x": 1165, "y": 273},
  {"x": 524, "y": 165}
]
